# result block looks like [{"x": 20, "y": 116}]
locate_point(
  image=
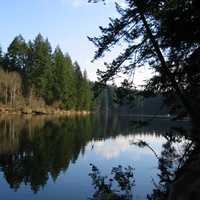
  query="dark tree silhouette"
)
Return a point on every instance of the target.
[{"x": 154, "y": 35}]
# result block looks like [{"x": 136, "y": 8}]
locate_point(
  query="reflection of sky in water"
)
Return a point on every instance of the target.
[
  {"x": 121, "y": 151},
  {"x": 112, "y": 148},
  {"x": 75, "y": 184}
]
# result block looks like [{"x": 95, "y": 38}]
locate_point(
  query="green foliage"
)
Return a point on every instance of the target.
[
  {"x": 60, "y": 72},
  {"x": 16, "y": 56},
  {"x": 86, "y": 94},
  {"x": 83, "y": 89},
  {"x": 105, "y": 98},
  {"x": 50, "y": 76},
  {"x": 40, "y": 72}
]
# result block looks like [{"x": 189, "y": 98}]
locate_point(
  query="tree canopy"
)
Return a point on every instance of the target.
[
  {"x": 155, "y": 35},
  {"x": 42, "y": 76}
]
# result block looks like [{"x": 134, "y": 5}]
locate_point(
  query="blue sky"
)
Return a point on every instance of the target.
[{"x": 66, "y": 23}]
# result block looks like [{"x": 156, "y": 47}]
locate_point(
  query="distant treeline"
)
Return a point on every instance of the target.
[
  {"x": 32, "y": 74},
  {"x": 139, "y": 104},
  {"x": 147, "y": 106}
]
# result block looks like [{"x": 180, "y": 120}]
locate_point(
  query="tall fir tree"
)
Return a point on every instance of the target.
[
  {"x": 16, "y": 56},
  {"x": 40, "y": 67},
  {"x": 64, "y": 83},
  {"x": 78, "y": 82},
  {"x": 70, "y": 98},
  {"x": 85, "y": 93}
]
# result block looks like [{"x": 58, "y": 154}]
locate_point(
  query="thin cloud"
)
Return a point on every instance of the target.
[
  {"x": 81, "y": 3},
  {"x": 75, "y": 3},
  {"x": 71, "y": 3}
]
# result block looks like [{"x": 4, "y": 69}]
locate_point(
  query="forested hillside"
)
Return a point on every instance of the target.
[{"x": 33, "y": 75}]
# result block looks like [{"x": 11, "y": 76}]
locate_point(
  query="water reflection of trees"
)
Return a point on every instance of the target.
[
  {"x": 178, "y": 178},
  {"x": 119, "y": 186},
  {"x": 178, "y": 171},
  {"x": 33, "y": 149}
]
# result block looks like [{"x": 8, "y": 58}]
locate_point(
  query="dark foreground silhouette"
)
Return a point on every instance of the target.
[{"x": 179, "y": 172}]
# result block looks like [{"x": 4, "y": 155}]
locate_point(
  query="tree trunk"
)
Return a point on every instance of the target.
[
  {"x": 165, "y": 70},
  {"x": 14, "y": 95},
  {"x": 6, "y": 95},
  {"x": 11, "y": 96},
  {"x": 30, "y": 98}
]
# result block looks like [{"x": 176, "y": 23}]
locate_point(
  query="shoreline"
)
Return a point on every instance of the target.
[
  {"x": 144, "y": 116},
  {"x": 6, "y": 110}
]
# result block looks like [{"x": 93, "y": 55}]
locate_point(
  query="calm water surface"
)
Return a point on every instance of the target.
[{"x": 49, "y": 158}]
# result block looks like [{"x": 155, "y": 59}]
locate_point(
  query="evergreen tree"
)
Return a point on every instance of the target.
[
  {"x": 40, "y": 67},
  {"x": 70, "y": 98},
  {"x": 16, "y": 56},
  {"x": 45, "y": 77},
  {"x": 78, "y": 82},
  {"x": 63, "y": 87},
  {"x": 86, "y": 96},
  {"x": 58, "y": 65}
]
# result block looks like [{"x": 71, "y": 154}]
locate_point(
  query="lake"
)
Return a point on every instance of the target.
[{"x": 49, "y": 158}]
